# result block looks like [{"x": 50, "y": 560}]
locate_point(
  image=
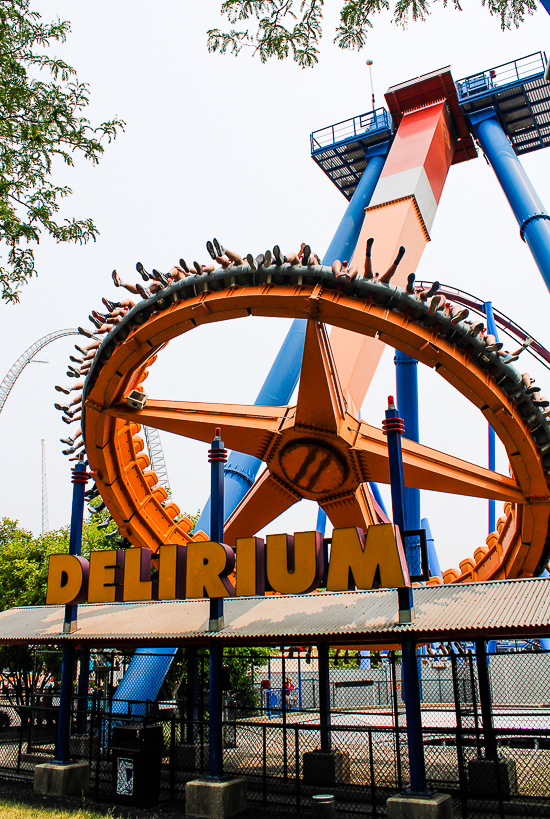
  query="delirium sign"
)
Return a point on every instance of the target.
[{"x": 291, "y": 564}]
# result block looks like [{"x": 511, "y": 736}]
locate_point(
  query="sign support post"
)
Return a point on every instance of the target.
[
  {"x": 63, "y": 776},
  {"x": 62, "y": 750},
  {"x": 217, "y": 456},
  {"x": 394, "y": 427}
]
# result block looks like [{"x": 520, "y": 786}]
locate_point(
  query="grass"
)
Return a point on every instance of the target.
[{"x": 9, "y": 809}]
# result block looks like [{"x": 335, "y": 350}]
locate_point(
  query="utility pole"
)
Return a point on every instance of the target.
[{"x": 45, "y": 521}]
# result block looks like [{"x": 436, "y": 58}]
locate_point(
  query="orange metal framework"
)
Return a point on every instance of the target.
[{"x": 317, "y": 449}]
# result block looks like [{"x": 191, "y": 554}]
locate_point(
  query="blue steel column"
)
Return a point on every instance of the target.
[
  {"x": 217, "y": 456},
  {"x": 62, "y": 746},
  {"x": 534, "y": 222},
  {"x": 406, "y": 380},
  {"x": 433, "y": 560},
  {"x": 492, "y": 329},
  {"x": 241, "y": 469},
  {"x": 393, "y": 428},
  {"x": 346, "y": 237}
]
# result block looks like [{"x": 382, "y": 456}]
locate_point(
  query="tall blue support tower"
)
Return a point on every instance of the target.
[{"x": 507, "y": 109}]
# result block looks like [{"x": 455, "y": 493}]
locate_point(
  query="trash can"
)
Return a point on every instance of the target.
[
  {"x": 137, "y": 752},
  {"x": 324, "y": 806}
]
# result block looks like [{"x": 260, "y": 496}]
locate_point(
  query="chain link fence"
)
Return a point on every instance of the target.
[{"x": 493, "y": 763}]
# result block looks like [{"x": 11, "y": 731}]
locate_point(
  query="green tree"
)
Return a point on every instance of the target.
[
  {"x": 284, "y": 28},
  {"x": 41, "y": 124},
  {"x": 23, "y": 576}
]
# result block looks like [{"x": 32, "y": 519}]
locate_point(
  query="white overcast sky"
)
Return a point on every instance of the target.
[{"x": 217, "y": 146}]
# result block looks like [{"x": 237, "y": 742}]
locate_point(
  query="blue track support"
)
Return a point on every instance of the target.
[
  {"x": 142, "y": 681},
  {"x": 321, "y": 521},
  {"x": 406, "y": 379},
  {"x": 534, "y": 222},
  {"x": 433, "y": 560},
  {"x": 378, "y": 497},
  {"x": 345, "y": 239},
  {"x": 492, "y": 329},
  {"x": 62, "y": 746},
  {"x": 546, "y": 5}
]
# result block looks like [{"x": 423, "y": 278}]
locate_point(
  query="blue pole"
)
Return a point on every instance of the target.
[
  {"x": 217, "y": 456},
  {"x": 345, "y": 239},
  {"x": 406, "y": 379},
  {"x": 62, "y": 747},
  {"x": 492, "y": 329},
  {"x": 241, "y": 469},
  {"x": 533, "y": 221},
  {"x": 393, "y": 428},
  {"x": 433, "y": 560}
]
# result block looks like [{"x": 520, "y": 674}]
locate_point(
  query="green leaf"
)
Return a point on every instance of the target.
[{"x": 41, "y": 119}]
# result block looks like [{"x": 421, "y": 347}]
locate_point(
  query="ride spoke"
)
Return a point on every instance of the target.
[
  {"x": 427, "y": 468},
  {"x": 265, "y": 501},
  {"x": 356, "y": 509},
  {"x": 247, "y": 428},
  {"x": 320, "y": 399}
]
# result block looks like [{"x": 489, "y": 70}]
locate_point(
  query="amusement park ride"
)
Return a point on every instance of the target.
[
  {"x": 391, "y": 165},
  {"x": 319, "y": 449}
]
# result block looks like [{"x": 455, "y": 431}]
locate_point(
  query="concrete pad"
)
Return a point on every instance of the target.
[
  {"x": 54, "y": 779},
  {"x": 325, "y": 767},
  {"x": 492, "y": 778},
  {"x": 437, "y": 806},
  {"x": 213, "y": 799}
]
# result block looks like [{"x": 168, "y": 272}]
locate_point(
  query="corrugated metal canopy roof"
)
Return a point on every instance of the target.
[{"x": 513, "y": 606}]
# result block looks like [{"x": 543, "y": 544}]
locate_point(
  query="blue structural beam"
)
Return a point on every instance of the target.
[
  {"x": 406, "y": 379},
  {"x": 492, "y": 329},
  {"x": 241, "y": 470},
  {"x": 433, "y": 560},
  {"x": 142, "y": 681},
  {"x": 217, "y": 456},
  {"x": 533, "y": 221},
  {"x": 62, "y": 746},
  {"x": 345, "y": 239}
]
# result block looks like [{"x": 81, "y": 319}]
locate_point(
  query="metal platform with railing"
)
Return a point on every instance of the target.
[
  {"x": 340, "y": 149},
  {"x": 520, "y": 95}
]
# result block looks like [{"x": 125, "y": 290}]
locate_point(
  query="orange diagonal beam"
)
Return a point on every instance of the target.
[
  {"x": 245, "y": 427},
  {"x": 320, "y": 400},
  {"x": 265, "y": 501},
  {"x": 426, "y": 468},
  {"x": 355, "y": 509}
]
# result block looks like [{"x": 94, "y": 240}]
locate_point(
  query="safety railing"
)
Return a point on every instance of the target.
[
  {"x": 378, "y": 120},
  {"x": 501, "y": 76}
]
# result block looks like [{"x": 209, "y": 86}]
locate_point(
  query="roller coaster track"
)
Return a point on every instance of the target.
[
  {"x": 501, "y": 320},
  {"x": 15, "y": 371},
  {"x": 154, "y": 445},
  {"x": 354, "y": 451}
]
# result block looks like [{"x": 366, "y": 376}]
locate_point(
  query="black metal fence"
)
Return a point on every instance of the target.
[{"x": 273, "y": 732}]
